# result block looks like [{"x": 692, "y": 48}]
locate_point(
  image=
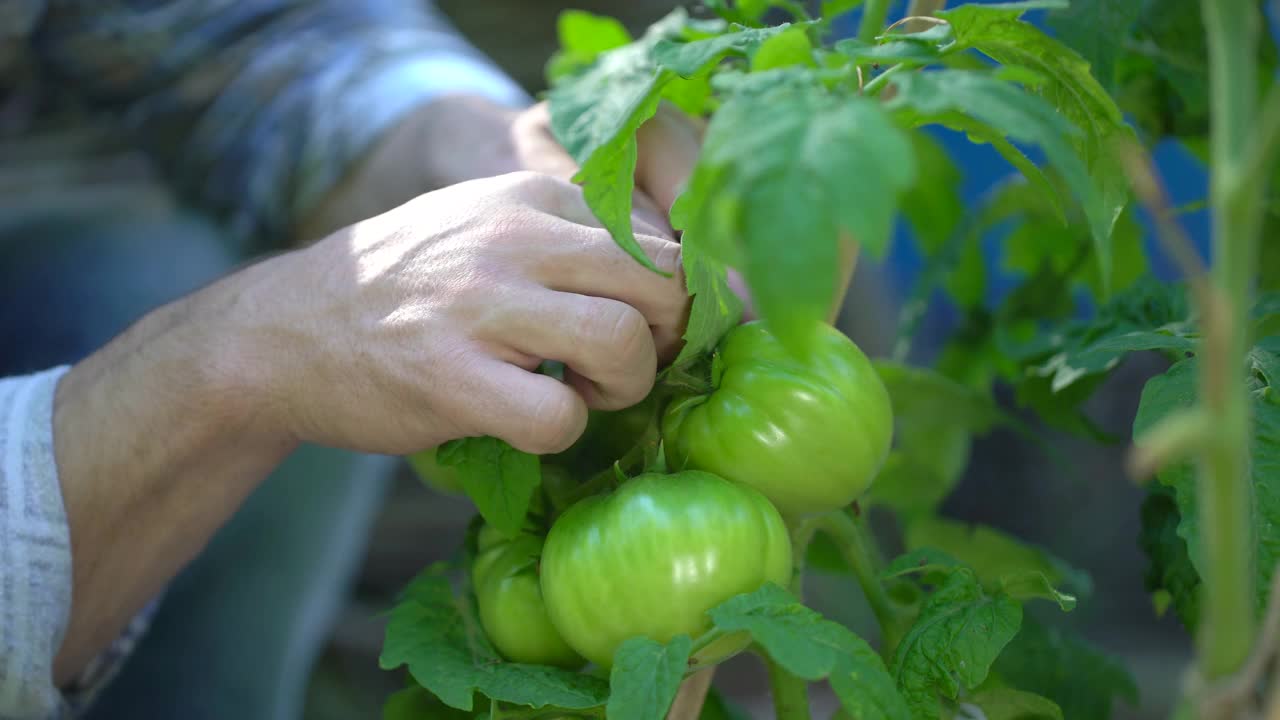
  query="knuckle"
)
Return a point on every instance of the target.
[
  {"x": 668, "y": 257},
  {"x": 555, "y": 423}
]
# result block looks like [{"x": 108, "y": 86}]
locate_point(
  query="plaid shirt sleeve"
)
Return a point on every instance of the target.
[{"x": 257, "y": 108}]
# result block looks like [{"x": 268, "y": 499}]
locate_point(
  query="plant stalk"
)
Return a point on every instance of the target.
[
  {"x": 861, "y": 558},
  {"x": 923, "y": 8},
  {"x": 874, "y": 13},
  {"x": 691, "y": 696},
  {"x": 790, "y": 693},
  {"x": 1227, "y": 632}
]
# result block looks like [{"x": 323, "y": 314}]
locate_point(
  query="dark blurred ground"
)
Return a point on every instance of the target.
[{"x": 1077, "y": 502}]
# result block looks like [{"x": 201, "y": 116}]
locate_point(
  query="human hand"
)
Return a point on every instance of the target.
[{"x": 427, "y": 323}]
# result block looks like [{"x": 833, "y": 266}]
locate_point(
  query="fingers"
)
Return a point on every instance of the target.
[
  {"x": 606, "y": 345},
  {"x": 532, "y": 412},
  {"x": 669, "y": 144},
  {"x": 538, "y": 148},
  {"x": 587, "y": 261}
]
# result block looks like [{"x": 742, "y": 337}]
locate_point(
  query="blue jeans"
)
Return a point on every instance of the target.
[{"x": 239, "y": 629}]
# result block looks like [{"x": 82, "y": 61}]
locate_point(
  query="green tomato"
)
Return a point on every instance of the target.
[
  {"x": 654, "y": 556},
  {"x": 809, "y": 432},
  {"x": 438, "y": 477},
  {"x": 608, "y": 436},
  {"x": 509, "y": 598}
]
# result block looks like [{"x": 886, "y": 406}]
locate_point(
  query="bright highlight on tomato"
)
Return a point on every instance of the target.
[
  {"x": 654, "y": 556},
  {"x": 810, "y": 433},
  {"x": 509, "y": 598}
]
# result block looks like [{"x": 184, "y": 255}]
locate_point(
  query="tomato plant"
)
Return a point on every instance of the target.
[{"x": 679, "y": 532}]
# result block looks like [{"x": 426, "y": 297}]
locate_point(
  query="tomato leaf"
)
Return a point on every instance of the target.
[
  {"x": 645, "y": 677},
  {"x": 786, "y": 49},
  {"x": 1099, "y": 31},
  {"x": 499, "y": 479},
  {"x": 935, "y": 418},
  {"x": 999, "y": 559},
  {"x": 1009, "y": 110},
  {"x": 997, "y": 31},
  {"x": 805, "y": 644},
  {"x": 715, "y": 308},
  {"x": 932, "y": 205},
  {"x": 1170, "y": 577},
  {"x": 958, "y": 635},
  {"x": 1034, "y": 585},
  {"x": 415, "y": 703},
  {"x": 595, "y": 115},
  {"x": 932, "y": 564},
  {"x": 781, "y": 177},
  {"x": 437, "y": 636},
  {"x": 1010, "y": 704},
  {"x": 583, "y": 36},
  {"x": 1176, "y": 390},
  {"x": 1081, "y": 679}
]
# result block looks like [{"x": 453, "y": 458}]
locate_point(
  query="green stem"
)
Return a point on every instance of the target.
[
  {"x": 801, "y": 536},
  {"x": 873, "y": 14},
  {"x": 862, "y": 558},
  {"x": 790, "y": 693},
  {"x": 878, "y": 82},
  {"x": 1227, "y": 632}
]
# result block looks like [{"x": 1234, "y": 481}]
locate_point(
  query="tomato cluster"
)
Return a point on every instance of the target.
[{"x": 776, "y": 438}]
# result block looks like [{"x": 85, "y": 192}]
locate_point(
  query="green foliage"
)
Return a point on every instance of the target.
[
  {"x": 782, "y": 164},
  {"x": 1176, "y": 390},
  {"x": 499, "y": 479},
  {"x": 1171, "y": 578},
  {"x": 1076, "y": 676},
  {"x": 935, "y": 419},
  {"x": 438, "y": 637},
  {"x": 1000, "y": 560},
  {"x": 958, "y": 635},
  {"x": 415, "y": 703},
  {"x": 1008, "y": 704},
  {"x": 645, "y": 677},
  {"x": 805, "y": 644},
  {"x": 1069, "y": 87}
]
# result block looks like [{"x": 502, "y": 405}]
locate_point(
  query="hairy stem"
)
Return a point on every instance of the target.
[
  {"x": 691, "y": 696},
  {"x": 922, "y": 8},
  {"x": 790, "y": 693},
  {"x": 858, "y": 553},
  {"x": 1227, "y": 632},
  {"x": 874, "y": 13}
]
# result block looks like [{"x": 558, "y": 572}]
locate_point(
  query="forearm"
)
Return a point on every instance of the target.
[{"x": 158, "y": 438}]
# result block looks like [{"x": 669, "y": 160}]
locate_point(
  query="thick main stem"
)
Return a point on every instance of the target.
[
  {"x": 874, "y": 13},
  {"x": 1226, "y": 634},
  {"x": 790, "y": 693},
  {"x": 861, "y": 559}
]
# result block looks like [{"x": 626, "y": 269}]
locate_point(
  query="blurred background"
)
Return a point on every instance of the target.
[{"x": 1077, "y": 503}]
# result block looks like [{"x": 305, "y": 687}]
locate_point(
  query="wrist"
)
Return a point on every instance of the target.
[
  {"x": 449, "y": 139},
  {"x": 463, "y": 137}
]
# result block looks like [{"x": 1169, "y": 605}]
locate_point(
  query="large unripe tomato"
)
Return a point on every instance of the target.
[
  {"x": 509, "y": 598},
  {"x": 654, "y": 556},
  {"x": 438, "y": 477},
  {"x": 809, "y": 432}
]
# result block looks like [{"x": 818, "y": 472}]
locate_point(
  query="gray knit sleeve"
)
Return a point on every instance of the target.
[
  {"x": 35, "y": 549},
  {"x": 35, "y": 564}
]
